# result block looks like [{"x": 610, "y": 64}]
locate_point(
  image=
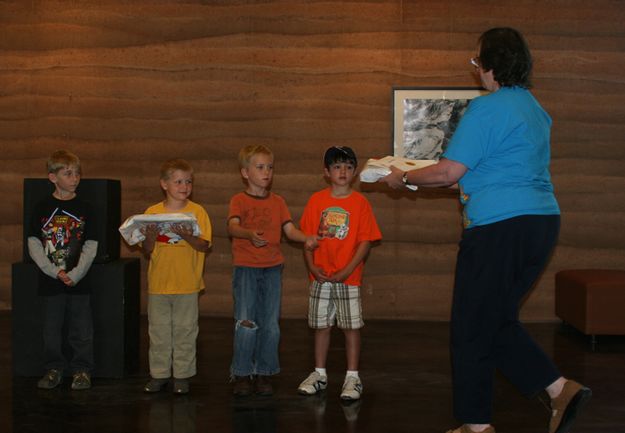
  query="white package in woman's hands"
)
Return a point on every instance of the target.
[{"x": 375, "y": 169}]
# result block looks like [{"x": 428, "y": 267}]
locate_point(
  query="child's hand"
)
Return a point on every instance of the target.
[
  {"x": 150, "y": 231},
  {"x": 62, "y": 275},
  {"x": 256, "y": 237},
  {"x": 182, "y": 229},
  {"x": 311, "y": 242},
  {"x": 319, "y": 274},
  {"x": 339, "y": 276}
]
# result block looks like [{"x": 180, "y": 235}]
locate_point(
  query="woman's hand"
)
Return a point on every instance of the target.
[{"x": 394, "y": 178}]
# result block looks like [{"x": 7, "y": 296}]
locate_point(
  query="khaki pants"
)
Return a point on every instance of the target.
[{"x": 173, "y": 330}]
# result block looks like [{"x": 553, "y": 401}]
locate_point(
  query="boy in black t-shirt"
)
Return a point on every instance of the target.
[{"x": 61, "y": 241}]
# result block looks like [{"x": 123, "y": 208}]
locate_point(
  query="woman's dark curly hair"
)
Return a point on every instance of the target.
[{"x": 505, "y": 51}]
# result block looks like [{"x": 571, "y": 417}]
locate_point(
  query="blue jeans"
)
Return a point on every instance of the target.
[{"x": 256, "y": 293}]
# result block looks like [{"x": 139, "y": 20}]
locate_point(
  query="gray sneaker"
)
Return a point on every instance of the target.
[
  {"x": 181, "y": 386},
  {"x": 155, "y": 385},
  {"x": 50, "y": 380},
  {"x": 81, "y": 380}
]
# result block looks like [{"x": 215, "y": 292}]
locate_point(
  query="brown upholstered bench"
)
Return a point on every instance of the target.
[{"x": 592, "y": 300}]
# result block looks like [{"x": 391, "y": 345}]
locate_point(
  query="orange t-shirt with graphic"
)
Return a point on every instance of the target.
[
  {"x": 341, "y": 223},
  {"x": 266, "y": 214}
]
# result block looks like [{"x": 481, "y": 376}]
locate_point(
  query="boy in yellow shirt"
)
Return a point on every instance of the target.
[{"x": 175, "y": 279}]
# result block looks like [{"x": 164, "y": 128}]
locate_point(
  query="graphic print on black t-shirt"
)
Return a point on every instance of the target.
[{"x": 62, "y": 235}]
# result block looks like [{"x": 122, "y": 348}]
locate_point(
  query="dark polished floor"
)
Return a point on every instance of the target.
[{"x": 405, "y": 371}]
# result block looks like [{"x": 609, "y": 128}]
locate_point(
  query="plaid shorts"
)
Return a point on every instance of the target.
[{"x": 330, "y": 302}]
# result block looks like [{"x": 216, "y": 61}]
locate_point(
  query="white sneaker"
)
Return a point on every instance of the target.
[
  {"x": 313, "y": 384},
  {"x": 352, "y": 388}
]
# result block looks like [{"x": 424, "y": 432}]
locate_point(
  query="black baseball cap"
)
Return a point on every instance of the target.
[{"x": 339, "y": 154}]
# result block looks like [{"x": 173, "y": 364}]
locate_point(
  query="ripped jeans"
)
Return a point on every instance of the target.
[{"x": 256, "y": 293}]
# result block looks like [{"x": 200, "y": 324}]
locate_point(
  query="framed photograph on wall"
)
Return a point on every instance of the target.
[{"x": 425, "y": 118}]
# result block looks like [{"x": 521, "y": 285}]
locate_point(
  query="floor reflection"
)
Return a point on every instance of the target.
[
  {"x": 254, "y": 415},
  {"x": 416, "y": 390},
  {"x": 351, "y": 410},
  {"x": 316, "y": 406},
  {"x": 173, "y": 415},
  {"x": 311, "y": 413}
]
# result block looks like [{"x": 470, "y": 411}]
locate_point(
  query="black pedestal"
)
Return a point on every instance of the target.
[{"x": 115, "y": 300}]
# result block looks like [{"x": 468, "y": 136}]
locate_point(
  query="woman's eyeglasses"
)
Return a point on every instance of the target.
[{"x": 475, "y": 61}]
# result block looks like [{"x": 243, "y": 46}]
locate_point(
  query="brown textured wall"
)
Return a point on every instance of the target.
[{"x": 127, "y": 85}]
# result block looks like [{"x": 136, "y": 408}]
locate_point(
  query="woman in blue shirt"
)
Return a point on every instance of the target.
[{"x": 499, "y": 156}]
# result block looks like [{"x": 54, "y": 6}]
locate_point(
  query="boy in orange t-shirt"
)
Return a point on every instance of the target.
[
  {"x": 344, "y": 221},
  {"x": 256, "y": 220}
]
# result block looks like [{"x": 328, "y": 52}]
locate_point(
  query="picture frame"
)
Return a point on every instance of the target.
[{"x": 425, "y": 118}]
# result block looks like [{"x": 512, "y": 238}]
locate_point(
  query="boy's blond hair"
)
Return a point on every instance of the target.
[
  {"x": 62, "y": 159},
  {"x": 172, "y": 165},
  {"x": 246, "y": 154}
]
